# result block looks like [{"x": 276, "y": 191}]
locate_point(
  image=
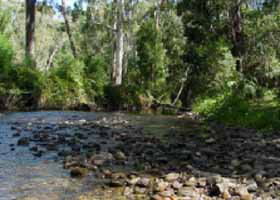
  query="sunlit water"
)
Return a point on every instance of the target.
[{"x": 23, "y": 176}]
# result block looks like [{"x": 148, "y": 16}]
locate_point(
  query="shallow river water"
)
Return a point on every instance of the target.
[{"x": 23, "y": 176}]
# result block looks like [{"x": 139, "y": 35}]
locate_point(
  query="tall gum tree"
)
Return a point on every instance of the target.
[
  {"x": 30, "y": 28},
  {"x": 118, "y": 59}
]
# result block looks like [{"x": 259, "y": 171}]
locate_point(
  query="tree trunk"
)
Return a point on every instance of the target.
[
  {"x": 30, "y": 28},
  {"x": 236, "y": 34},
  {"x": 119, "y": 44},
  {"x": 67, "y": 27}
]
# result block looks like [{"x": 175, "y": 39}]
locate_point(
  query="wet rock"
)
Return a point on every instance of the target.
[
  {"x": 119, "y": 155},
  {"x": 23, "y": 141},
  {"x": 16, "y": 134},
  {"x": 172, "y": 177},
  {"x": 78, "y": 172},
  {"x": 51, "y": 147},
  {"x": 235, "y": 163},
  {"x": 116, "y": 183},
  {"x": 38, "y": 153},
  {"x": 210, "y": 141},
  {"x": 34, "y": 148},
  {"x": 246, "y": 168},
  {"x": 64, "y": 153}
]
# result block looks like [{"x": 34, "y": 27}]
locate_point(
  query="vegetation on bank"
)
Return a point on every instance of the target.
[{"x": 221, "y": 59}]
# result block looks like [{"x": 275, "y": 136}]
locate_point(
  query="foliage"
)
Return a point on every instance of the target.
[
  {"x": 151, "y": 58},
  {"x": 65, "y": 83}
]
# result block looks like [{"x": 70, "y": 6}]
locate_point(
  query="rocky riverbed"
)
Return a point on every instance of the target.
[{"x": 118, "y": 156}]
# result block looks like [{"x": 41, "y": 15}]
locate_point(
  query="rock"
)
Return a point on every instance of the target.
[
  {"x": 118, "y": 175},
  {"x": 157, "y": 197},
  {"x": 16, "y": 134},
  {"x": 167, "y": 193},
  {"x": 107, "y": 173},
  {"x": 34, "y": 148},
  {"x": 213, "y": 180},
  {"x": 172, "y": 177},
  {"x": 177, "y": 185},
  {"x": 133, "y": 180},
  {"x": 252, "y": 186},
  {"x": 64, "y": 153},
  {"x": 23, "y": 141},
  {"x": 161, "y": 185},
  {"x": 51, "y": 147},
  {"x": 38, "y": 153},
  {"x": 116, "y": 182},
  {"x": 186, "y": 191},
  {"x": 78, "y": 172},
  {"x": 210, "y": 141},
  {"x": 191, "y": 182},
  {"x": 246, "y": 168},
  {"x": 143, "y": 182},
  {"x": 243, "y": 193},
  {"x": 127, "y": 191},
  {"x": 119, "y": 155},
  {"x": 235, "y": 163},
  {"x": 140, "y": 190}
]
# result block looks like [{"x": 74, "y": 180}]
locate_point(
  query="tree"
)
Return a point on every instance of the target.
[
  {"x": 68, "y": 29},
  {"x": 117, "y": 71},
  {"x": 30, "y": 28}
]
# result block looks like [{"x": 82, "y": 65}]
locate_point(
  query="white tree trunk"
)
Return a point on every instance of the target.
[{"x": 119, "y": 46}]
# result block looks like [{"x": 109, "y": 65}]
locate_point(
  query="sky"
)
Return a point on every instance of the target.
[{"x": 68, "y": 2}]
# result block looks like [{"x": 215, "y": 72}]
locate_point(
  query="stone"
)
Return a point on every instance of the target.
[
  {"x": 78, "y": 172},
  {"x": 116, "y": 183},
  {"x": 119, "y": 155},
  {"x": 34, "y": 148},
  {"x": 133, "y": 180},
  {"x": 246, "y": 168},
  {"x": 177, "y": 185},
  {"x": 191, "y": 182},
  {"x": 161, "y": 185},
  {"x": 186, "y": 191},
  {"x": 167, "y": 193},
  {"x": 127, "y": 191},
  {"x": 210, "y": 141},
  {"x": 242, "y": 191},
  {"x": 172, "y": 177},
  {"x": 23, "y": 141},
  {"x": 235, "y": 163},
  {"x": 143, "y": 182},
  {"x": 140, "y": 190},
  {"x": 157, "y": 197},
  {"x": 252, "y": 186}
]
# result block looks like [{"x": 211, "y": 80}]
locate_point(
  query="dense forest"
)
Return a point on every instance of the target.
[{"x": 218, "y": 58}]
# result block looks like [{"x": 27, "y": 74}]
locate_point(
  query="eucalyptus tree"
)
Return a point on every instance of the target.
[{"x": 30, "y": 28}]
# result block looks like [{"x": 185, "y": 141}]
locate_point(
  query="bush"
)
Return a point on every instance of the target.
[
  {"x": 65, "y": 87},
  {"x": 233, "y": 109},
  {"x": 6, "y": 54}
]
